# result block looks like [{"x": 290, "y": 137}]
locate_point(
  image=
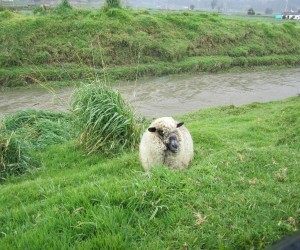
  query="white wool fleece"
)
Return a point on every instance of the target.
[{"x": 154, "y": 152}]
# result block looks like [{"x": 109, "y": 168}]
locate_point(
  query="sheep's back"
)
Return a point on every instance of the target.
[
  {"x": 188, "y": 145},
  {"x": 151, "y": 151}
]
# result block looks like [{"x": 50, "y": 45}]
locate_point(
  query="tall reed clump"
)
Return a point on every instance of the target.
[
  {"x": 107, "y": 122},
  {"x": 113, "y": 3},
  {"x": 15, "y": 157}
]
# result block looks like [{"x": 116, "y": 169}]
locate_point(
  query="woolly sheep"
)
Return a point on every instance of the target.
[{"x": 166, "y": 142}]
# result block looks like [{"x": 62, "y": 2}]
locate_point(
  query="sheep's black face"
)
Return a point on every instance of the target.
[
  {"x": 172, "y": 143},
  {"x": 168, "y": 138}
]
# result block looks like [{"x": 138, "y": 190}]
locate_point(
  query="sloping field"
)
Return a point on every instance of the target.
[
  {"x": 125, "y": 44},
  {"x": 241, "y": 192}
]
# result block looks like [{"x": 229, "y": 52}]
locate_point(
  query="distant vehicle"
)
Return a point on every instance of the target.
[{"x": 291, "y": 15}]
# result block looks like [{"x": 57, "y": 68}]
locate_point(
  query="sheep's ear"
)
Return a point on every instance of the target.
[
  {"x": 152, "y": 129},
  {"x": 180, "y": 124}
]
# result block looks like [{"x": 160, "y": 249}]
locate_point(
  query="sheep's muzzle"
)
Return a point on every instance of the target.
[{"x": 172, "y": 143}]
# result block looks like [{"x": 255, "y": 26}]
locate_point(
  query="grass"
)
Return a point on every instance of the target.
[
  {"x": 241, "y": 192},
  {"x": 15, "y": 156},
  {"x": 113, "y": 3},
  {"x": 15, "y": 76},
  {"x": 26, "y": 132},
  {"x": 107, "y": 123},
  {"x": 127, "y": 44},
  {"x": 40, "y": 129}
]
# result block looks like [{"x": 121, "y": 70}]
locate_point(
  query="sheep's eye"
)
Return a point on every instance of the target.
[{"x": 160, "y": 132}]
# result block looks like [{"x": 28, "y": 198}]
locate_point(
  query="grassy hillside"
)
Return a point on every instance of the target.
[
  {"x": 126, "y": 44},
  {"x": 241, "y": 192}
]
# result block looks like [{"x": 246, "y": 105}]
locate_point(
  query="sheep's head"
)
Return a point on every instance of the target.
[{"x": 166, "y": 129}]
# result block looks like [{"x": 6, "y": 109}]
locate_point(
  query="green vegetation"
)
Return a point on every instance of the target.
[
  {"x": 37, "y": 74},
  {"x": 40, "y": 128},
  {"x": 2, "y": 8},
  {"x": 241, "y": 192},
  {"x": 126, "y": 44},
  {"x": 107, "y": 122},
  {"x": 29, "y": 131},
  {"x": 15, "y": 157},
  {"x": 113, "y": 3},
  {"x": 251, "y": 12},
  {"x": 63, "y": 7},
  {"x": 103, "y": 119},
  {"x": 39, "y": 11}
]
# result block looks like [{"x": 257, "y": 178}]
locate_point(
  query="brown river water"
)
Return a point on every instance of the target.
[{"x": 171, "y": 95}]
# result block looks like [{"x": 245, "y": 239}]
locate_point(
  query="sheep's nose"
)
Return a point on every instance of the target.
[{"x": 173, "y": 145}]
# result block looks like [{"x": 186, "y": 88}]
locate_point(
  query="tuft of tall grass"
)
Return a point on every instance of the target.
[
  {"x": 107, "y": 122},
  {"x": 25, "y": 132},
  {"x": 63, "y": 7},
  {"x": 113, "y": 3},
  {"x": 40, "y": 10},
  {"x": 40, "y": 129},
  {"x": 15, "y": 156}
]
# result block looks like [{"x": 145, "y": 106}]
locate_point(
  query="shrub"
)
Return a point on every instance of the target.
[
  {"x": 63, "y": 7},
  {"x": 120, "y": 14},
  {"x": 107, "y": 122},
  {"x": 2, "y": 8},
  {"x": 39, "y": 11},
  {"x": 6, "y": 14},
  {"x": 113, "y": 3},
  {"x": 251, "y": 11}
]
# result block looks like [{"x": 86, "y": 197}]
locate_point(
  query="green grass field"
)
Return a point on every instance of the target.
[
  {"x": 241, "y": 192},
  {"x": 126, "y": 44}
]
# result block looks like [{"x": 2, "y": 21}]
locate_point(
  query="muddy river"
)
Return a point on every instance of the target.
[{"x": 171, "y": 95}]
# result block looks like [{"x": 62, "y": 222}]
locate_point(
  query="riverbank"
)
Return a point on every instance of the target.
[
  {"x": 20, "y": 76},
  {"x": 241, "y": 191},
  {"x": 126, "y": 45}
]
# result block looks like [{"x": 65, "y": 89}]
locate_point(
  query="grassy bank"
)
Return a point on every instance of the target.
[
  {"x": 16, "y": 76},
  {"x": 125, "y": 44},
  {"x": 241, "y": 192}
]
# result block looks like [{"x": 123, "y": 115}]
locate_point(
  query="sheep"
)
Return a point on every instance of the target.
[{"x": 166, "y": 142}]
